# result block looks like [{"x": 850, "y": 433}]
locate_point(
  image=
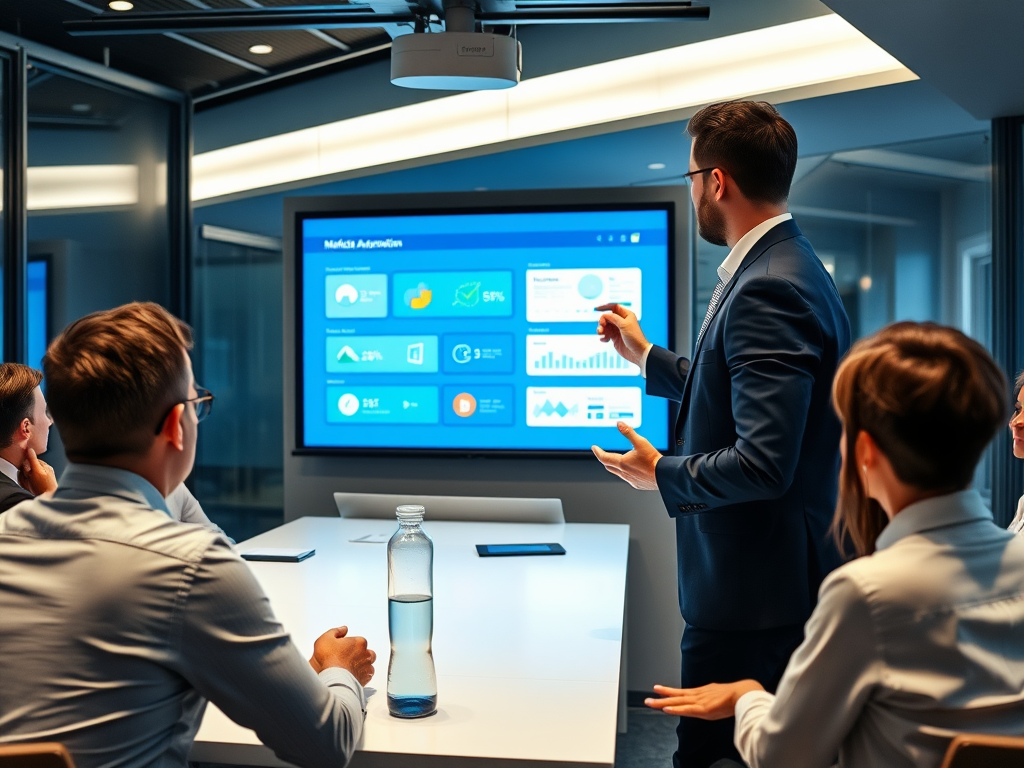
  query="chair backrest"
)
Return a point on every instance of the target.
[
  {"x": 977, "y": 750},
  {"x": 44, "y": 754},
  {"x": 381, "y": 506}
]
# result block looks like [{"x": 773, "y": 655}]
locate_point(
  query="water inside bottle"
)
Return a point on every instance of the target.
[{"x": 412, "y": 684}]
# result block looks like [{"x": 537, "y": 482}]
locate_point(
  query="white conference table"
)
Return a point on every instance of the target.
[{"x": 527, "y": 649}]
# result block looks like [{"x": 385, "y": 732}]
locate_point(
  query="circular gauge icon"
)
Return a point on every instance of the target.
[
  {"x": 346, "y": 295},
  {"x": 462, "y": 353},
  {"x": 348, "y": 404},
  {"x": 464, "y": 405},
  {"x": 590, "y": 286}
]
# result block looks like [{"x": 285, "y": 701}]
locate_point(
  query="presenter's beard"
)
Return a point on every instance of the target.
[{"x": 710, "y": 222}]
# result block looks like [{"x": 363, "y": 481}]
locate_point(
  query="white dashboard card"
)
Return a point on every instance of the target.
[{"x": 570, "y": 295}]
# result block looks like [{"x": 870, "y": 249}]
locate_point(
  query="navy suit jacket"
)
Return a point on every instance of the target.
[
  {"x": 753, "y": 485},
  {"x": 11, "y": 493}
]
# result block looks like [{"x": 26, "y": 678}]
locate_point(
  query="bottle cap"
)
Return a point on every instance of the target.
[{"x": 410, "y": 513}]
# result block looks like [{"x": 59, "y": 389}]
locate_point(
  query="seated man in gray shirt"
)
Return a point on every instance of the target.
[{"x": 118, "y": 623}]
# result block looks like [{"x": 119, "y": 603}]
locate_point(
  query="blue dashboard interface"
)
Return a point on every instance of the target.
[{"x": 478, "y": 330}]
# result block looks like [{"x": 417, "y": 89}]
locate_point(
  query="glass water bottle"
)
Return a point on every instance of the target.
[{"x": 412, "y": 684}]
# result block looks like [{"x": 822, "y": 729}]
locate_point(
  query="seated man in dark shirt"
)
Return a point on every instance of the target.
[{"x": 24, "y": 431}]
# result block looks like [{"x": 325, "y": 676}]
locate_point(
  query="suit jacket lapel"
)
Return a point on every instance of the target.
[{"x": 784, "y": 231}]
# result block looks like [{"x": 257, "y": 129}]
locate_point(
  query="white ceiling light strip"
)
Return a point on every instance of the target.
[
  {"x": 797, "y": 60},
  {"x": 72, "y": 187}
]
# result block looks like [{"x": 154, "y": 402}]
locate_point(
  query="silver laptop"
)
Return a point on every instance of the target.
[{"x": 381, "y": 506}]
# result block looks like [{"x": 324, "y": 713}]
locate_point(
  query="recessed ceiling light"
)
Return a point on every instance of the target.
[
  {"x": 260, "y": 49},
  {"x": 120, "y": 5},
  {"x": 656, "y": 166},
  {"x": 81, "y": 107}
]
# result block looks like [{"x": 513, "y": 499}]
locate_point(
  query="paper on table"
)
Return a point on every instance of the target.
[{"x": 372, "y": 538}]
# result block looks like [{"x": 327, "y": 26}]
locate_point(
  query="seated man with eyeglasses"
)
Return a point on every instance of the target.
[{"x": 117, "y": 623}]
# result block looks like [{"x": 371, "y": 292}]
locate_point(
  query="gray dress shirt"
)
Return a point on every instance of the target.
[
  {"x": 117, "y": 623},
  {"x": 906, "y": 648}
]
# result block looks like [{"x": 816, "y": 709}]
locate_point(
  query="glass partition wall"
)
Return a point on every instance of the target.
[
  {"x": 98, "y": 205},
  {"x": 905, "y": 230},
  {"x": 237, "y": 310}
]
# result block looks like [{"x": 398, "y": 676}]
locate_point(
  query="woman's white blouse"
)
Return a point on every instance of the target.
[
  {"x": 1017, "y": 526},
  {"x": 906, "y": 648}
]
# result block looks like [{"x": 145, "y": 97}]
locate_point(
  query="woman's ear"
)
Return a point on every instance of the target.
[{"x": 867, "y": 452}]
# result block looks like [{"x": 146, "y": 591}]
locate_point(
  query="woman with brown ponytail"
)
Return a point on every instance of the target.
[{"x": 921, "y": 635}]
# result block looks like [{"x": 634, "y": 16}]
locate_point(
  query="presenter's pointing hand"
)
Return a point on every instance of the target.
[
  {"x": 635, "y": 467},
  {"x": 335, "y": 649},
  {"x": 620, "y": 326}
]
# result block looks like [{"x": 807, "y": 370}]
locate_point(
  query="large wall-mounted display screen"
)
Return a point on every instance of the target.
[{"x": 477, "y": 330}]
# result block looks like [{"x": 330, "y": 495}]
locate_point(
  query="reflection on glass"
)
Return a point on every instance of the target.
[
  {"x": 904, "y": 230},
  {"x": 3, "y": 222},
  {"x": 239, "y": 472},
  {"x": 37, "y": 302},
  {"x": 97, "y": 203}
]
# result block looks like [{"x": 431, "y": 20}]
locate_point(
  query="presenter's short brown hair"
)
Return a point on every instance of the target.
[
  {"x": 931, "y": 398},
  {"x": 17, "y": 398},
  {"x": 112, "y": 375},
  {"x": 751, "y": 142}
]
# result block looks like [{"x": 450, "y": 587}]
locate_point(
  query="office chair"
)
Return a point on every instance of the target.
[
  {"x": 976, "y": 750},
  {"x": 44, "y": 754}
]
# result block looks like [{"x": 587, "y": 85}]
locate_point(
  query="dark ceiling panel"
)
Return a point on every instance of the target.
[
  {"x": 175, "y": 63},
  {"x": 289, "y": 46},
  {"x": 358, "y": 38},
  {"x": 970, "y": 51}
]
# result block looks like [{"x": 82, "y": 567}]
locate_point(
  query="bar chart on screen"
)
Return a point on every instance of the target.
[{"x": 574, "y": 355}]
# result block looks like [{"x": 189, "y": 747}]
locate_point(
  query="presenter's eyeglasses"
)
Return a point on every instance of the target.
[
  {"x": 203, "y": 402},
  {"x": 689, "y": 176}
]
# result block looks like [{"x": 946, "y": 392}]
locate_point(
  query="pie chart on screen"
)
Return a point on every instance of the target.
[{"x": 346, "y": 295}]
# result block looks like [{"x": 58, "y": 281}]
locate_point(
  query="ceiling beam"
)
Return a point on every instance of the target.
[
  {"x": 321, "y": 36},
  {"x": 239, "y": 20}
]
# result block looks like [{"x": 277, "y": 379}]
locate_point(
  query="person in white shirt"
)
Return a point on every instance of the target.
[
  {"x": 920, "y": 636},
  {"x": 24, "y": 434},
  {"x": 1017, "y": 428}
]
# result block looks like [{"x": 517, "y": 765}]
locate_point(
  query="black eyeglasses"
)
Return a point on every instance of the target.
[
  {"x": 691, "y": 174},
  {"x": 204, "y": 406}
]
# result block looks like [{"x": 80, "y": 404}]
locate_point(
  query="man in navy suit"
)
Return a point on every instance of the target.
[{"x": 753, "y": 484}]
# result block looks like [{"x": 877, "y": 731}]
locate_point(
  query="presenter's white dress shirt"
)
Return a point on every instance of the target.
[
  {"x": 732, "y": 262},
  {"x": 906, "y": 648},
  {"x": 118, "y": 623},
  {"x": 9, "y": 469}
]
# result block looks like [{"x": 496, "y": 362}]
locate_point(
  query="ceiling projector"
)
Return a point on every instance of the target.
[{"x": 456, "y": 61}]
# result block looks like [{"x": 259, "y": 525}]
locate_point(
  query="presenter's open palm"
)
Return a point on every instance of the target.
[
  {"x": 635, "y": 467},
  {"x": 716, "y": 701},
  {"x": 620, "y": 326}
]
